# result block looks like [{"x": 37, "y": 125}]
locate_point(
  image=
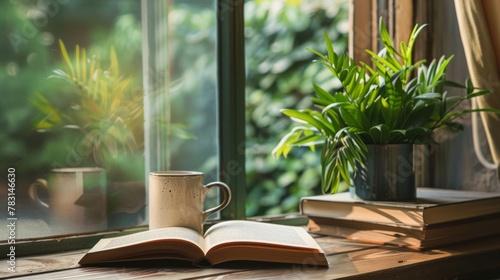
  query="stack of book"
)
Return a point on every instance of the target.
[{"x": 438, "y": 217}]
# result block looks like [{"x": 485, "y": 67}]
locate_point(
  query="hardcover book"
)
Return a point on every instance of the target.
[
  {"x": 433, "y": 206},
  {"x": 407, "y": 236},
  {"x": 223, "y": 242}
]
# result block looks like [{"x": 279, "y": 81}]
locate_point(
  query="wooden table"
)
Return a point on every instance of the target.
[{"x": 348, "y": 260}]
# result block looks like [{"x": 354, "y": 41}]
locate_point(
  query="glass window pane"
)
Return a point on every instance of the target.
[
  {"x": 73, "y": 99},
  {"x": 280, "y": 75},
  {"x": 180, "y": 77}
]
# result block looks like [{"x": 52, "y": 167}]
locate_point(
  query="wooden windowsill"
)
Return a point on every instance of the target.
[{"x": 348, "y": 260}]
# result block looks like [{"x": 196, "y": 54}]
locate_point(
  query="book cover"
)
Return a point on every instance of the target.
[
  {"x": 407, "y": 236},
  {"x": 433, "y": 206}
]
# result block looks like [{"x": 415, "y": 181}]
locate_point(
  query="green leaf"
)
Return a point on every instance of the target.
[
  {"x": 429, "y": 95},
  {"x": 379, "y": 133},
  {"x": 477, "y": 93},
  {"x": 419, "y": 115},
  {"x": 343, "y": 75},
  {"x": 310, "y": 117},
  {"x": 383, "y": 64},
  {"x": 323, "y": 94},
  {"x": 385, "y": 110},
  {"x": 83, "y": 64},
  {"x": 441, "y": 69},
  {"x": 64, "y": 54},
  {"x": 453, "y": 84},
  {"x": 319, "y": 102},
  {"x": 397, "y": 136},
  {"x": 60, "y": 74},
  {"x": 309, "y": 140},
  {"x": 464, "y": 112},
  {"x": 411, "y": 41},
  {"x": 329, "y": 47},
  {"x": 318, "y": 54},
  {"x": 77, "y": 63},
  {"x": 286, "y": 143},
  {"x": 336, "y": 105},
  {"x": 353, "y": 117},
  {"x": 334, "y": 119},
  {"x": 417, "y": 132},
  {"x": 469, "y": 86},
  {"x": 404, "y": 50},
  {"x": 385, "y": 37}
]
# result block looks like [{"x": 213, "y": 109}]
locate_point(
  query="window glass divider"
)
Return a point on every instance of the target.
[{"x": 231, "y": 79}]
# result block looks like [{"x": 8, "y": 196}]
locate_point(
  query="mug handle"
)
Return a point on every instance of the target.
[
  {"x": 33, "y": 191},
  {"x": 226, "y": 194}
]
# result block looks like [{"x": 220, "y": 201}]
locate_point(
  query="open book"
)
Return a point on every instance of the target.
[{"x": 226, "y": 241}]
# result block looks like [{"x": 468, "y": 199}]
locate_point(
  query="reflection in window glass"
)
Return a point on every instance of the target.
[
  {"x": 280, "y": 75},
  {"x": 73, "y": 114}
]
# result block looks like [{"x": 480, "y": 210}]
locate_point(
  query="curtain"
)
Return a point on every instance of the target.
[{"x": 479, "y": 26}]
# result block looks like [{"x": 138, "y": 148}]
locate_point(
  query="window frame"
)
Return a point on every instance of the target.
[
  {"x": 399, "y": 15},
  {"x": 231, "y": 79}
]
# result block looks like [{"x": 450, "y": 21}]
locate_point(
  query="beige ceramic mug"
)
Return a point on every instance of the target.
[
  {"x": 176, "y": 199},
  {"x": 75, "y": 199}
]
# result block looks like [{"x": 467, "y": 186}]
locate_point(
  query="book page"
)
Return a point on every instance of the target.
[
  {"x": 249, "y": 231},
  {"x": 177, "y": 233}
]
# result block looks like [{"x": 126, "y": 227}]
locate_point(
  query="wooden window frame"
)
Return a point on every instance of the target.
[{"x": 399, "y": 16}]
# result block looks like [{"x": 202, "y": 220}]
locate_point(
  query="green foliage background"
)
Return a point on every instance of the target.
[{"x": 280, "y": 73}]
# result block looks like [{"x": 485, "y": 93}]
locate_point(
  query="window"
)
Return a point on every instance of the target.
[
  {"x": 63, "y": 66},
  {"x": 215, "y": 74},
  {"x": 73, "y": 98}
]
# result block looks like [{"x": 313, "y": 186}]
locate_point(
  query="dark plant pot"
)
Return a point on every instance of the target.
[{"x": 388, "y": 174}]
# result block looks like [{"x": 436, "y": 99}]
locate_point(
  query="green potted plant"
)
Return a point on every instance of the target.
[{"x": 369, "y": 126}]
